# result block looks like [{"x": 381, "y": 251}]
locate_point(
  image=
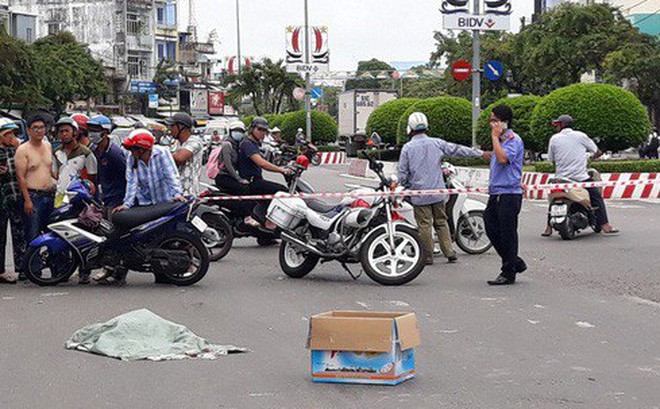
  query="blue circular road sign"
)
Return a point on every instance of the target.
[
  {"x": 494, "y": 70},
  {"x": 316, "y": 93}
]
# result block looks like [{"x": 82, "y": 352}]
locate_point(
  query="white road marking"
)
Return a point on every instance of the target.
[{"x": 584, "y": 324}]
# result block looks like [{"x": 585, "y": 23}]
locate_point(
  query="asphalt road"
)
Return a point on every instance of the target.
[{"x": 579, "y": 330}]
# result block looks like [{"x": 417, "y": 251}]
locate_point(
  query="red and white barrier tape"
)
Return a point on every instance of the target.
[{"x": 431, "y": 192}]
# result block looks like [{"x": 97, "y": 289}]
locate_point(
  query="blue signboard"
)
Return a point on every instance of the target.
[
  {"x": 143, "y": 87},
  {"x": 153, "y": 101},
  {"x": 494, "y": 70},
  {"x": 316, "y": 93}
]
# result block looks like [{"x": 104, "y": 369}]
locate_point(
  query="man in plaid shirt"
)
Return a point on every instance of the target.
[{"x": 11, "y": 203}]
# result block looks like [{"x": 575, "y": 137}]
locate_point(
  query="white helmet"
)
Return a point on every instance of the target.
[
  {"x": 300, "y": 130},
  {"x": 417, "y": 121},
  {"x": 276, "y": 130},
  {"x": 237, "y": 125}
]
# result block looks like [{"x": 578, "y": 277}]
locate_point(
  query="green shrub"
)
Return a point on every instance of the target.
[
  {"x": 329, "y": 148},
  {"x": 385, "y": 119},
  {"x": 523, "y": 108},
  {"x": 450, "y": 118},
  {"x": 468, "y": 162},
  {"x": 610, "y": 115},
  {"x": 324, "y": 127},
  {"x": 248, "y": 120},
  {"x": 611, "y": 166}
]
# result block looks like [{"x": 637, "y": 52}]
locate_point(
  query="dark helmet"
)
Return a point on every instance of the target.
[
  {"x": 182, "y": 119},
  {"x": 259, "y": 122}
]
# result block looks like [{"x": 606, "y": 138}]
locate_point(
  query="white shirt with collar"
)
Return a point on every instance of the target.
[{"x": 569, "y": 151}]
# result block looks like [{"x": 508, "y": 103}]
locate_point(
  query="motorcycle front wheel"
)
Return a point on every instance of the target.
[
  {"x": 471, "y": 233},
  {"x": 396, "y": 266},
  {"x": 316, "y": 159},
  {"x": 296, "y": 262},
  {"x": 44, "y": 268},
  {"x": 199, "y": 258}
]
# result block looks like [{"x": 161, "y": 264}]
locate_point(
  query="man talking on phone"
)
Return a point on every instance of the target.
[{"x": 505, "y": 190}]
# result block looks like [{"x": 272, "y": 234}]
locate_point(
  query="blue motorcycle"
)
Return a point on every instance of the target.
[{"x": 164, "y": 240}]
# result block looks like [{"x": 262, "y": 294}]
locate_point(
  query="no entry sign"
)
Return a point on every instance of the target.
[{"x": 461, "y": 70}]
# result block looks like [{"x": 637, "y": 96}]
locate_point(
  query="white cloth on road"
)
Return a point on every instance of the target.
[{"x": 141, "y": 334}]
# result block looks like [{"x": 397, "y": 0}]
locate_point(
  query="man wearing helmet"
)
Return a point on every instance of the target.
[
  {"x": 11, "y": 211},
  {"x": 251, "y": 163},
  {"x": 71, "y": 159},
  {"x": 83, "y": 134},
  {"x": 111, "y": 162},
  {"x": 420, "y": 168},
  {"x": 34, "y": 160},
  {"x": 188, "y": 152},
  {"x": 228, "y": 179},
  {"x": 151, "y": 174}
]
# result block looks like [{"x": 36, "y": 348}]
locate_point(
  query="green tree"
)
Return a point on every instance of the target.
[
  {"x": 267, "y": 85},
  {"x": 67, "y": 71},
  {"x": 610, "y": 115},
  {"x": 324, "y": 127},
  {"x": 19, "y": 84},
  {"x": 385, "y": 119},
  {"x": 366, "y": 73},
  {"x": 450, "y": 118}
]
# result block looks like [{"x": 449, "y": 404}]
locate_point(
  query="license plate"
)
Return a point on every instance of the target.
[
  {"x": 559, "y": 211},
  {"x": 199, "y": 224}
]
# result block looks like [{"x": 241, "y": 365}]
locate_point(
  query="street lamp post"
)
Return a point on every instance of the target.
[
  {"x": 476, "y": 78},
  {"x": 238, "y": 36},
  {"x": 308, "y": 95}
]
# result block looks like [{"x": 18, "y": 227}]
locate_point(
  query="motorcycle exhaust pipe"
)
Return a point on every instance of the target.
[{"x": 286, "y": 236}]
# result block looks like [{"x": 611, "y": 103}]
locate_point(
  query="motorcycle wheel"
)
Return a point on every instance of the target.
[
  {"x": 565, "y": 229},
  {"x": 296, "y": 262},
  {"x": 219, "y": 246},
  {"x": 464, "y": 236},
  {"x": 200, "y": 258},
  {"x": 46, "y": 269},
  {"x": 386, "y": 269},
  {"x": 316, "y": 160}
]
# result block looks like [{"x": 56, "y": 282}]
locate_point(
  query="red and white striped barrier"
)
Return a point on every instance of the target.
[
  {"x": 430, "y": 192},
  {"x": 647, "y": 188},
  {"x": 333, "y": 158}
]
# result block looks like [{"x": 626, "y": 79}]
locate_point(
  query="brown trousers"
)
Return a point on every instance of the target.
[{"x": 428, "y": 218}]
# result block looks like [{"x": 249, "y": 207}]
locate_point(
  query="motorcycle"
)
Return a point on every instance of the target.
[
  {"x": 164, "y": 240},
  {"x": 571, "y": 210},
  {"x": 235, "y": 212},
  {"x": 285, "y": 154},
  {"x": 217, "y": 237},
  {"x": 365, "y": 230}
]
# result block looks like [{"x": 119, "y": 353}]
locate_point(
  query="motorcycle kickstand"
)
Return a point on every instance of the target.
[{"x": 355, "y": 277}]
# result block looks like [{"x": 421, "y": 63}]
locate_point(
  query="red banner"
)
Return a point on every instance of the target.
[{"x": 216, "y": 103}]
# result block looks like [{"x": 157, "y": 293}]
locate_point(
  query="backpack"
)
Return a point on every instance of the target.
[{"x": 215, "y": 164}]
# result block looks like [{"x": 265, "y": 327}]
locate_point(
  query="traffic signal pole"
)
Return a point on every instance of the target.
[{"x": 476, "y": 77}]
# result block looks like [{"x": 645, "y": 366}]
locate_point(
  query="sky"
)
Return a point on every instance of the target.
[{"x": 389, "y": 30}]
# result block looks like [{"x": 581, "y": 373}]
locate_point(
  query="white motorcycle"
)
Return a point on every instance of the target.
[
  {"x": 366, "y": 230},
  {"x": 466, "y": 223}
]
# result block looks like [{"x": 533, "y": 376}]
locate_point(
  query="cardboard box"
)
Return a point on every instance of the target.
[{"x": 363, "y": 347}]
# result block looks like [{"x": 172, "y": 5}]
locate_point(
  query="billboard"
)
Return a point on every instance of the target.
[
  {"x": 216, "y": 103},
  {"x": 199, "y": 102}
]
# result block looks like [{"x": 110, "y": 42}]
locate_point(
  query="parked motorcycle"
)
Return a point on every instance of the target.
[
  {"x": 366, "y": 230},
  {"x": 164, "y": 240},
  {"x": 285, "y": 154},
  {"x": 570, "y": 209}
]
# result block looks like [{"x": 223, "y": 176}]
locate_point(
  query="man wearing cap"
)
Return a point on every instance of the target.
[
  {"x": 420, "y": 168},
  {"x": 569, "y": 150},
  {"x": 111, "y": 162},
  {"x": 188, "y": 152},
  {"x": 11, "y": 206}
]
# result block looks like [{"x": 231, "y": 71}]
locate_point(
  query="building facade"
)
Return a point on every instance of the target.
[{"x": 22, "y": 25}]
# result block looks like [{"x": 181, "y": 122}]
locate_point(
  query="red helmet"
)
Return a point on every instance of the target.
[
  {"x": 140, "y": 138},
  {"x": 81, "y": 120},
  {"x": 303, "y": 161}
]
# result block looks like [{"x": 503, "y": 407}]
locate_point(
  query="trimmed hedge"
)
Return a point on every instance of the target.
[
  {"x": 468, "y": 162},
  {"x": 611, "y": 166},
  {"x": 385, "y": 119},
  {"x": 610, "y": 115},
  {"x": 523, "y": 109},
  {"x": 450, "y": 118},
  {"x": 324, "y": 127}
]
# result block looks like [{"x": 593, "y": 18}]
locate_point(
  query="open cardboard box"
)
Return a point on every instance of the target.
[{"x": 363, "y": 347}]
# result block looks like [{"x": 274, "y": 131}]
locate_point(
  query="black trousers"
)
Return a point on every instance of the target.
[
  {"x": 598, "y": 204},
  {"x": 501, "y": 218},
  {"x": 264, "y": 187},
  {"x": 228, "y": 184}
]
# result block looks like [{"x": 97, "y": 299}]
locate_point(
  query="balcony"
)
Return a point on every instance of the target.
[{"x": 201, "y": 48}]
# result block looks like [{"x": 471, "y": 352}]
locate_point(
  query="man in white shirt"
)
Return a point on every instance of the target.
[{"x": 569, "y": 150}]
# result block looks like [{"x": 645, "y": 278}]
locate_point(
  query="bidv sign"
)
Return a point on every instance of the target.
[{"x": 456, "y": 15}]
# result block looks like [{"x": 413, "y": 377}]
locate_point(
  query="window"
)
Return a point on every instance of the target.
[
  {"x": 28, "y": 35},
  {"x": 171, "y": 50},
  {"x": 53, "y": 28},
  {"x": 161, "y": 51},
  {"x": 160, "y": 13},
  {"x": 133, "y": 66},
  {"x": 134, "y": 24},
  {"x": 170, "y": 15}
]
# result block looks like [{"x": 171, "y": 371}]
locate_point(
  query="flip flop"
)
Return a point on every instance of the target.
[
  {"x": 544, "y": 234},
  {"x": 612, "y": 232}
]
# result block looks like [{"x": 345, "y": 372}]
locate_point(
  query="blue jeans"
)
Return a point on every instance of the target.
[{"x": 43, "y": 203}]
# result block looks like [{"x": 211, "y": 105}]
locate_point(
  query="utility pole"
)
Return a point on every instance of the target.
[
  {"x": 308, "y": 90},
  {"x": 476, "y": 77},
  {"x": 238, "y": 36}
]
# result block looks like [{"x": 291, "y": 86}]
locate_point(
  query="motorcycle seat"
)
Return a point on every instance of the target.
[
  {"x": 130, "y": 218},
  {"x": 320, "y": 206}
]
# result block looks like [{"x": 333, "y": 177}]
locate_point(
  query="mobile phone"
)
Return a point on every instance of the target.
[{"x": 505, "y": 125}]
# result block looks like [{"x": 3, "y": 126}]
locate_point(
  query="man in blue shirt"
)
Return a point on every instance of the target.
[
  {"x": 505, "y": 189},
  {"x": 111, "y": 162},
  {"x": 420, "y": 168}
]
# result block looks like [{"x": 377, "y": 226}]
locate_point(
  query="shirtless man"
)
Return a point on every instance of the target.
[{"x": 34, "y": 161}]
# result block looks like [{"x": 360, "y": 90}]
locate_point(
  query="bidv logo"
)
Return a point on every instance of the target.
[{"x": 476, "y": 22}]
